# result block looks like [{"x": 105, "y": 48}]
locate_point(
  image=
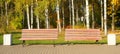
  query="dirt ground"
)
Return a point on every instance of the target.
[{"x": 60, "y": 49}]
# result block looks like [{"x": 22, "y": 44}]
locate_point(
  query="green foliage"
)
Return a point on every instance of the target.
[
  {"x": 14, "y": 15},
  {"x": 40, "y": 9},
  {"x": 18, "y": 6},
  {"x": 2, "y": 25},
  {"x": 52, "y": 4},
  {"x": 15, "y": 23}
]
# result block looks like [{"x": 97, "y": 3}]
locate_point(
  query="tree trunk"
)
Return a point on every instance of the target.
[
  {"x": 105, "y": 17},
  {"x": 77, "y": 15},
  {"x": 37, "y": 18},
  {"x": 83, "y": 18},
  {"x": 73, "y": 19},
  {"x": 113, "y": 19},
  {"x": 32, "y": 16},
  {"x": 70, "y": 13},
  {"x": 27, "y": 11},
  {"x": 93, "y": 19},
  {"x": 102, "y": 20},
  {"x": 58, "y": 16},
  {"x": 46, "y": 14},
  {"x": 87, "y": 15},
  {"x": 63, "y": 17},
  {"x": 38, "y": 22},
  {"x": 6, "y": 14}
]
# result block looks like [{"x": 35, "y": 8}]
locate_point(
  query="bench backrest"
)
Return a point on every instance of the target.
[
  {"x": 82, "y": 34},
  {"x": 39, "y": 34}
]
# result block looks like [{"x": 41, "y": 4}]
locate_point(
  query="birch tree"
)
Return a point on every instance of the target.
[
  {"x": 113, "y": 19},
  {"x": 70, "y": 15},
  {"x": 63, "y": 17},
  {"x": 114, "y": 5},
  {"x": 47, "y": 19},
  {"x": 93, "y": 20},
  {"x": 6, "y": 12},
  {"x": 37, "y": 17},
  {"x": 102, "y": 20},
  {"x": 87, "y": 15},
  {"x": 105, "y": 17},
  {"x": 73, "y": 17},
  {"x": 58, "y": 16},
  {"x": 47, "y": 2},
  {"x": 31, "y": 14},
  {"x": 28, "y": 18},
  {"x": 41, "y": 12},
  {"x": 77, "y": 14},
  {"x": 27, "y": 3}
]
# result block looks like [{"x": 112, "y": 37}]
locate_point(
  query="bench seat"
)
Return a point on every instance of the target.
[
  {"x": 82, "y": 34},
  {"x": 39, "y": 34}
]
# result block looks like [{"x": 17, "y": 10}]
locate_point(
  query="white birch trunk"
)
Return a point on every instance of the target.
[
  {"x": 93, "y": 20},
  {"x": 27, "y": 11},
  {"x": 87, "y": 15},
  {"x": 77, "y": 15},
  {"x": 63, "y": 17},
  {"x": 58, "y": 16},
  {"x": 37, "y": 18},
  {"x": 6, "y": 15},
  {"x": 38, "y": 22},
  {"x": 105, "y": 17},
  {"x": 102, "y": 20},
  {"x": 113, "y": 19},
  {"x": 32, "y": 16},
  {"x": 46, "y": 14},
  {"x": 70, "y": 13},
  {"x": 73, "y": 19}
]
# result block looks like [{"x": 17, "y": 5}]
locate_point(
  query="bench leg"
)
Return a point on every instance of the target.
[
  {"x": 23, "y": 43},
  {"x": 54, "y": 43},
  {"x": 97, "y": 41}
]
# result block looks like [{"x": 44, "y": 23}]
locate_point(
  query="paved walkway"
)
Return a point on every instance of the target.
[{"x": 60, "y": 49}]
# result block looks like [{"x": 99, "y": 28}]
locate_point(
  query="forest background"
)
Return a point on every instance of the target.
[{"x": 61, "y": 14}]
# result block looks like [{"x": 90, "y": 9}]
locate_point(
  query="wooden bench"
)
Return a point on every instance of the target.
[
  {"x": 82, "y": 34},
  {"x": 39, "y": 34}
]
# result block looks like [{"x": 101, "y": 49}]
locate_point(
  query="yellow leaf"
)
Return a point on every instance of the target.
[{"x": 114, "y": 2}]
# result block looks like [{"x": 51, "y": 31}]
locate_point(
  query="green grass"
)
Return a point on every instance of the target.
[
  {"x": 16, "y": 36},
  {"x": 1, "y": 39}
]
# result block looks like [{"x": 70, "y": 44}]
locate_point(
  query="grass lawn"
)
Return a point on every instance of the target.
[
  {"x": 1, "y": 38},
  {"x": 16, "y": 36}
]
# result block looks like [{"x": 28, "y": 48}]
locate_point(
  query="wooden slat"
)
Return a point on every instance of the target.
[
  {"x": 39, "y": 34},
  {"x": 83, "y": 38},
  {"x": 38, "y": 38},
  {"x": 82, "y": 34}
]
